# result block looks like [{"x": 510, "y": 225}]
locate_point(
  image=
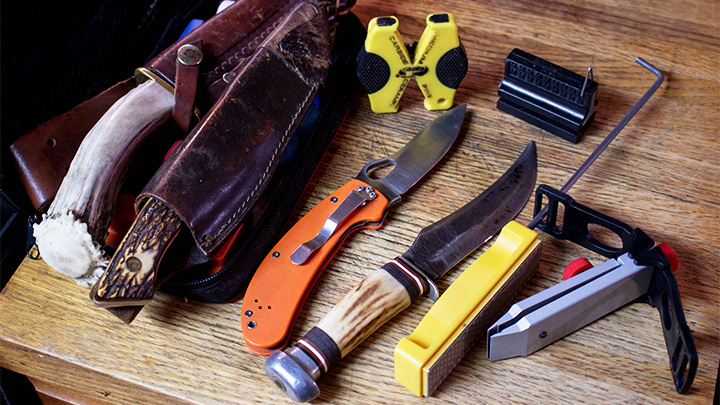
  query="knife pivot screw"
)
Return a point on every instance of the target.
[
  {"x": 252, "y": 324},
  {"x": 334, "y": 200},
  {"x": 133, "y": 264},
  {"x": 248, "y": 313},
  {"x": 276, "y": 254},
  {"x": 543, "y": 334}
]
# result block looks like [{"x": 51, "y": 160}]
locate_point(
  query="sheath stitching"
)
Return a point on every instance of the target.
[
  {"x": 244, "y": 52},
  {"x": 209, "y": 239},
  {"x": 251, "y": 46}
]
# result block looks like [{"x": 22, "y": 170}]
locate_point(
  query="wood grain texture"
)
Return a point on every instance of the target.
[{"x": 660, "y": 174}]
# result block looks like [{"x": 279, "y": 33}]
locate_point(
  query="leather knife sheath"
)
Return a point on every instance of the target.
[
  {"x": 227, "y": 40},
  {"x": 220, "y": 170}
]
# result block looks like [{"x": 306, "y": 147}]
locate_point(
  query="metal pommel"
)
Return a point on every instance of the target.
[{"x": 294, "y": 372}]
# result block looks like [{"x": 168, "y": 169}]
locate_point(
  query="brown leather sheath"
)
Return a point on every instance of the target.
[
  {"x": 220, "y": 170},
  {"x": 227, "y": 40},
  {"x": 43, "y": 155}
]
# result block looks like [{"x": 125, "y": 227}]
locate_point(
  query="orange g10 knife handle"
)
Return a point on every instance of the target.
[{"x": 279, "y": 287}]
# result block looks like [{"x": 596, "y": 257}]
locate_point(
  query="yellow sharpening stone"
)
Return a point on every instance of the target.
[{"x": 424, "y": 358}]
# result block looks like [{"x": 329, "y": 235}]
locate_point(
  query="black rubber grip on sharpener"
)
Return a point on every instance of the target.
[
  {"x": 452, "y": 67},
  {"x": 546, "y": 95},
  {"x": 372, "y": 71}
]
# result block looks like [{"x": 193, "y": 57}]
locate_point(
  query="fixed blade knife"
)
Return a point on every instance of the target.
[
  {"x": 389, "y": 290},
  {"x": 284, "y": 279}
]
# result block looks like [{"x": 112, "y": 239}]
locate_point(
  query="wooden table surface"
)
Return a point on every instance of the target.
[{"x": 660, "y": 174}]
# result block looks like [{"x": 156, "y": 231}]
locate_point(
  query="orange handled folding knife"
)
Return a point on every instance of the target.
[{"x": 284, "y": 279}]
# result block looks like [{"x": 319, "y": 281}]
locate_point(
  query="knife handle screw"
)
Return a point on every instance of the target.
[
  {"x": 252, "y": 324},
  {"x": 543, "y": 334},
  {"x": 248, "y": 313}
]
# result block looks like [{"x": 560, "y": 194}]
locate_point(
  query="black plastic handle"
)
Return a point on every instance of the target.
[
  {"x": 576, "y": 221},
  {"x": 664, "y": 295}
]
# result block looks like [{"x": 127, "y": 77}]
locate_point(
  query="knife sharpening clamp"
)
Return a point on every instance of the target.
[
  {"x": 548, "y": 96},
  {"x": 638, "y": 271}
]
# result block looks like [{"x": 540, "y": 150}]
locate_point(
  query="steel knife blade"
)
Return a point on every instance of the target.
[
  {"x": 440, "y": 246},
  {"x": 284, "y": 279}
]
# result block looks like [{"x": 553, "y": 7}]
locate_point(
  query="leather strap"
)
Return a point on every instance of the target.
[
  {"x": 186, "y": 83},
  {"x": 229, "y": 38}
]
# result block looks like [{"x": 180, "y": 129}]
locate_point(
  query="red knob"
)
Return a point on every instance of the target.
[
  {"x": 672, "y": 257},
  {"x": 576, "y": 267}
]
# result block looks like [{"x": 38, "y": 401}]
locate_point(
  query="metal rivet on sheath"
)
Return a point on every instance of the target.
[
  {"x": 276, "y": 254},
  {"x": 228, "y": 77},
  {"x": 248, "y": 313},
  {"x": 543, "y": 334},
  {"x": 334, "y": 200},
  {"x": 252, "y": 324},
  {"x": 189, "y": 55}
]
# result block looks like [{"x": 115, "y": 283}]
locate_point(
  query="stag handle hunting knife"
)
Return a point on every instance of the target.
[
  {"x": 389, "y": 290},
  {"x": 130, "y": 278},
  {"x": 212, "y": 181},
  {"x": 284, "y": 279}
]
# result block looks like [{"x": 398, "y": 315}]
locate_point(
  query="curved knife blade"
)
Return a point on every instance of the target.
[
  {"x": 390, "y": 289},
  {"x": 443, "y": 244},
  {"x": 418, "y": 156}
]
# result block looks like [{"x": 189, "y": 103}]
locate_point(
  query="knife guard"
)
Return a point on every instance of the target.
[{"x": 464, "y": 311}]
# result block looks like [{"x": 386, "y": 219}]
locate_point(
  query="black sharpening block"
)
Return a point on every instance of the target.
[{"x": 547, "y": 95}]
